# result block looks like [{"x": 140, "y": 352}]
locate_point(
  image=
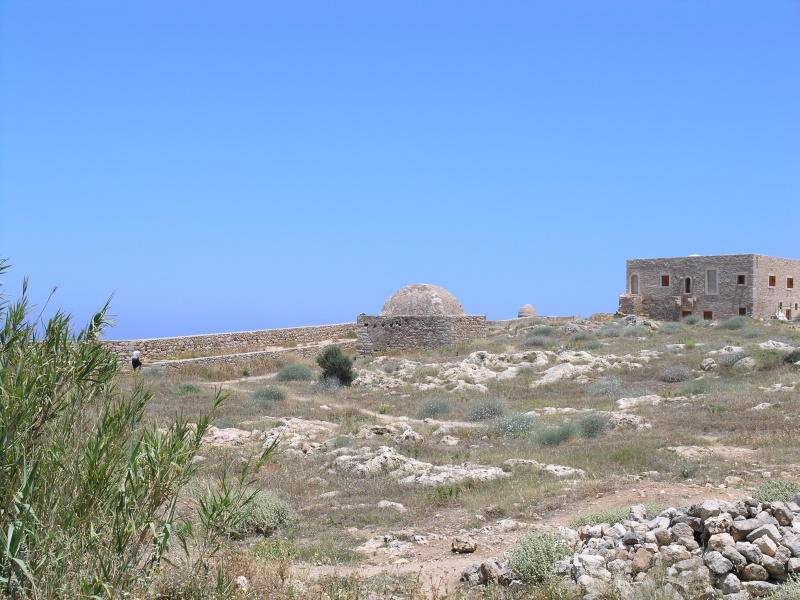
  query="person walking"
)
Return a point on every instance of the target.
[{"x": 136, "y": 360}]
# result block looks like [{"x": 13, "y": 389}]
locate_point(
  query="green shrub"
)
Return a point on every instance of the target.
[
  {"x": 434, "y": 407},
  {"x": 691, "y": 319},
  {"x": 697, "y": 387},
  {"x": 636, "y": 331},
  {"x": 749, "y": 333},
  {"x": 265, "y": 514},
  {"x": 776, "y": 490},
  {"x": 266, "y": 397},
  {"x": 485, "y": 410},
  {"x": 768, "y": 358},
  {"x": 534, "y": 555},
  {"x": 676, "y": 374},
  {"x": 614, "y": 515},
  {"x": 553, "y": 436},
  {"x": 515, "y": 425},
  {"x": 734, "y": 323},
  {"x": 792, "y": 357},
  {"x": 593, "y": 345},
  {"x": 295, "y": 373},
  {"x": 686, "y": 468},
  {"x": 671, "y": 327},
  {"x": 538, "y": 341},
  {"x": 581, "y": 336},
  {"x": 544, "y": 330},
  {"x": 788, "y": 590},
  {"x": 592, "y": 425},
  {"x": 334, "y": 363},
  {"x": 327, "y": 385},
  {"x": 610, "y": 385},
  {"x": 730, "y": 358},
  {"x": 610, "y": 330}
]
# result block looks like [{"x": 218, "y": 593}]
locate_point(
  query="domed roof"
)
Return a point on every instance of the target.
[
  {"x": 527, "y": 311},
  {"x": 422, "y": 300}
]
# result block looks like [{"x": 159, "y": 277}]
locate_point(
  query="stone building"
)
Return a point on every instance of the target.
[
  {"x": 419, "y": 316},
  {"x": 712, "y": 287}
]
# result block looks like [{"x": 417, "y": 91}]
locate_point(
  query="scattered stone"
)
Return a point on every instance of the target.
[{"x": 464, "y": 545}]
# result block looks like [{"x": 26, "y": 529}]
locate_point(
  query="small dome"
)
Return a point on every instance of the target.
[
  {"x": 422, "y": 300},
  {"x": 527, "y": 311}
]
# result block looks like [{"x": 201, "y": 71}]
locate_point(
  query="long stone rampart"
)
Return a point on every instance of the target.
[
  {"x": 219, "y": 344},
  {"x": 245, "y": 359}
]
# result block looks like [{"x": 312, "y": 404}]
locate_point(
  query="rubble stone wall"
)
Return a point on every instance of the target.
[
  {"x": 218, "y": 344},
  {"x": 382, "y": 334},
  {"x": 769, "y": 300}
]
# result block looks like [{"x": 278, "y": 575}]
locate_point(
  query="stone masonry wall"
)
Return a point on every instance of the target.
[
  {"x": 381, "y": 334},
  {"x": 669, "y": 303},
  {"x": 770, "y": 300},
  {"x": 230, "y": 343}
]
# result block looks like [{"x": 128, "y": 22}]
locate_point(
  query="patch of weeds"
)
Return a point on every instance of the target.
[
  {"x": 636, "y": 331},
  {"x": 581, "y": 336},
  {"x": 593, "y": 345},
  {"x": 697, "y": 387},
  {"x": 342, "y": 441},
  {"x": 434, "y": 407},
  {"x": 734, "y": 323},
  {"x": 538, "y": 341},
  {"x": 225, "y": 422},
  {"x": 545, "y": 330},
  {"x": 691, "y": 319},
  {"x": 610, "y": 385},
  {"x": 157, "y": 372},
  {"x": 553, "y": 436},
  {"x": 671, "y": 327},
  {"x": 623, "y": 456},
  {"x": 610, "y": 330},
  {"x": 535, "y": 554},
  {"x": 266, "y": 397},
  {"x": 676, "y": 374},
  {"x": 275, "y": 549},
  {"x": 442, "y": 494},
  {"x": 776, "y": 490},
  {"x": 749, "y": 333},
  {"x": 187, "y": 388},
  {"x": 265, "y": 514},
  {"x": 613, "y": 515},
  {"x": 485, "y": 410},
  {"x": 384, "y": 409},
  {"x": 245, "y": 372},
  {"x": 789, "y": 589},
  {"x": 688, "y": 343},
  {"x": 326, "y": 552},
  {"x": 591, "y": 426},
  {"x": 295, "y": 373},
  {"x": 685, "y": 468},
  {"x": 515, "y": 425},
  {"x": 768, "y": 358},
  {"x": 326, "y": 386},
  {"x": 792, "y": 357}
]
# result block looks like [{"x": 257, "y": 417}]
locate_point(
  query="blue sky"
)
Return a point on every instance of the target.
[{"x": 229, "y": 165}]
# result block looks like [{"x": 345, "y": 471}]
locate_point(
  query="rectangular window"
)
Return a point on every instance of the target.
[
  {"x": 685, "y": 313},
  {"x": 665, "y": 281},
  {"x": 711, "y": 282},
  {"x": 772, "y": 281},
  {"x": 742, "y": 311},
  {"x": 789, "y": 283},
  {"x": 740, "y": 279},
  {"x": 708, "y": 315}
]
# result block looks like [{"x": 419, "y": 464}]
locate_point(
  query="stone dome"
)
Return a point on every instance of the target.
[
  {"x": 527, "y": 311},
  {"x": 422, "y": 300}
]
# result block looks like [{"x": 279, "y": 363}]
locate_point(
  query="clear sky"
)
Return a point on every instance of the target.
[{"x": 229, "y": 165}]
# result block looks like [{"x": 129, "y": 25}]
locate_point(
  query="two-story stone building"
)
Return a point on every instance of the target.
[{"x": 712, "y": 287}]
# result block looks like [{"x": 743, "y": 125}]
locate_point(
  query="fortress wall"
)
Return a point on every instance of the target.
[
  {"x": 386, "y": 334},
  {"x": 250, "y": 358},
  {"x": 231, "y": 343}
]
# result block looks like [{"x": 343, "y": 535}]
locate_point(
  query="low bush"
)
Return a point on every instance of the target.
[
  {"x": 266, "y": 514},
  {"x": 610, "y": 330},
  {"x": 266, "y": 397},
  {"x": 792, "y": 357},
  {"x": 697, "y": 387},
  {"x": 788, "y": 590},
  {"x": 534, "y": 555},
  {"x": 636, "y": 331},
  {"x": 553, "y": 436},
  {"x": 295, "y": 373},
  {"x": 538, "y": 341},
  {"x": 592, "y": 425},
  {"x": 729, "y": 358},
  {"x": 676, "y": 374},
  {"x": 749, "y": 333},
  {"x": 515, "y": 425},
  {"x": 326, "y": 385},
  {"x": 581, "y": 336},
  {"x": 734, "y": 323},
  {"x": 611, "y": 385},
  {"x": 691, "y": 319},
  {"x": 776, "y": 490},
  {"x": 433, "y": 407},
  {"x": 593, "y": 345},
  {"x": 545, "y": 330},
  {"x": 485, "y": 410},
  {"x": 672, "y": 327},
  {"x": 613, "y": 516},
  {"x": 335, "y": 363},
  {"x": 768, "y": 358}
]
